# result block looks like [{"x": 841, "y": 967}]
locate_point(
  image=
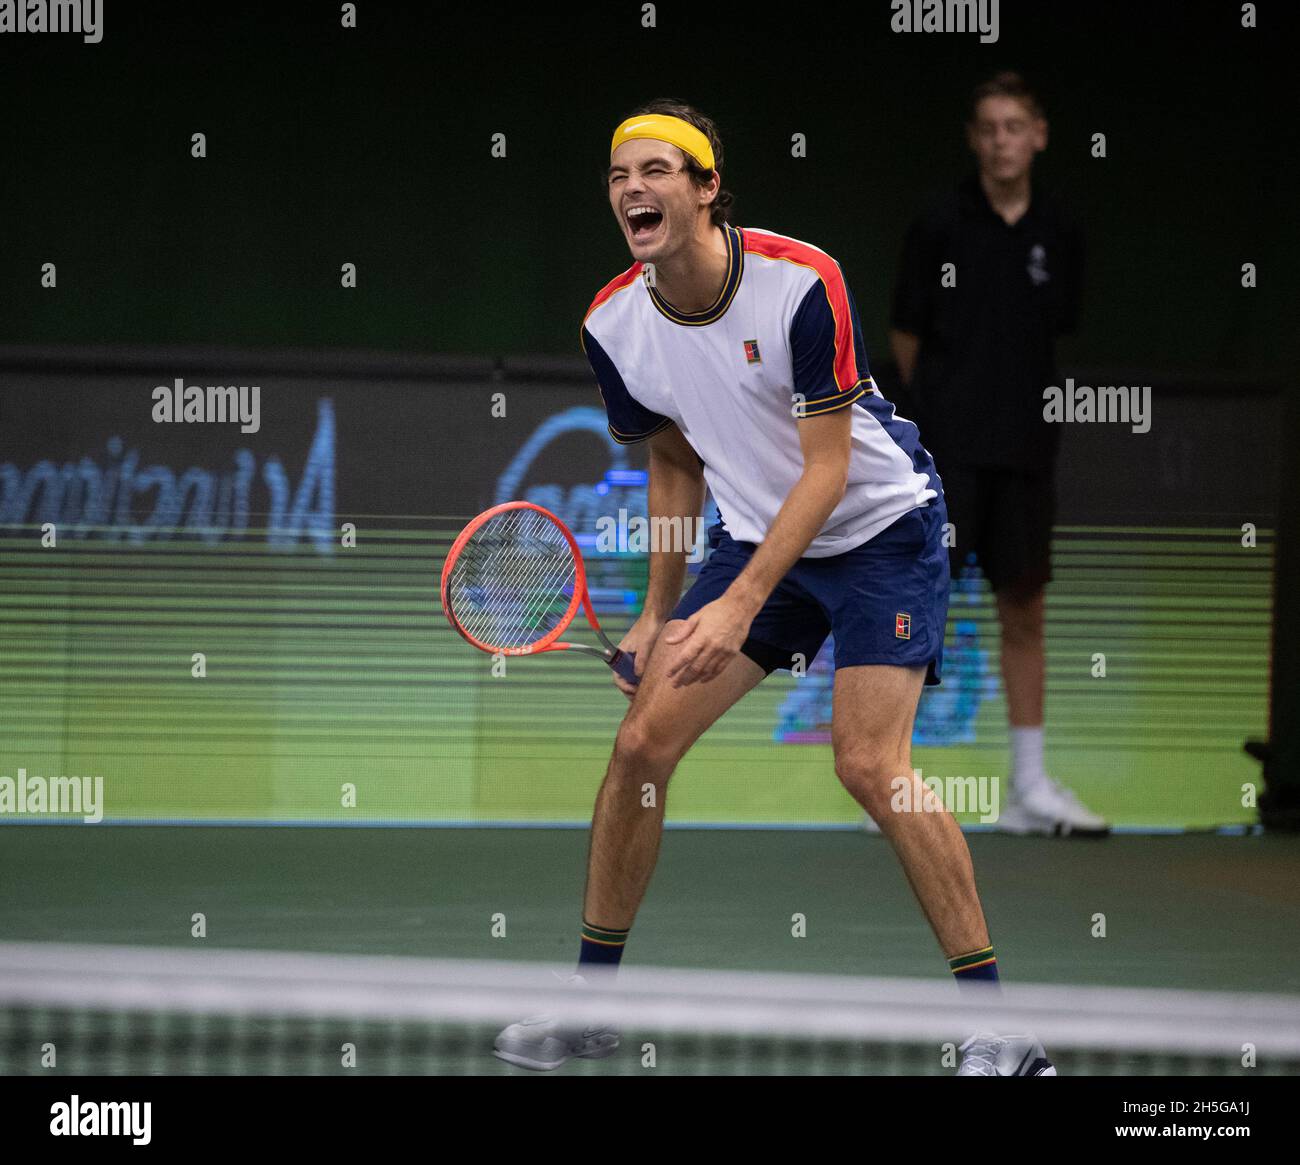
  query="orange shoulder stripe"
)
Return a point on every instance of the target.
[
  {"x": 616, "y": 284},
  {"x": 828, "y": 271}
]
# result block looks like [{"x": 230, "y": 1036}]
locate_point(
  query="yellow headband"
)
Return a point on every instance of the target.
[{"x": 664, "y": 128}]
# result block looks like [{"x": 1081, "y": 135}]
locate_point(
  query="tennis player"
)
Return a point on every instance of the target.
[{"x": 738, "y": 355}]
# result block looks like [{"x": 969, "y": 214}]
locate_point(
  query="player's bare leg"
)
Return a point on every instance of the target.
[
  {"x": 661, "y": 724},
  {"x": 874, "y": 708},
  {"x": 872, "y": 733}
]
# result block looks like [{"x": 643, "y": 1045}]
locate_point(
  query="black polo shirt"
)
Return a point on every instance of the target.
[{"x": 988, "y": 344}]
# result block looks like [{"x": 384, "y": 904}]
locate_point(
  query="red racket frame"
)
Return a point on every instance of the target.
[{"x": 622, "y": 662}]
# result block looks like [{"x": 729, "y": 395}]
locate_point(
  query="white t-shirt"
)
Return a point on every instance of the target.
[{"x": 783, "y": 336}]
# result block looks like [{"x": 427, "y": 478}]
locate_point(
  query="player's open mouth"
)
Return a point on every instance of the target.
[{"x": 643, "y": 221}]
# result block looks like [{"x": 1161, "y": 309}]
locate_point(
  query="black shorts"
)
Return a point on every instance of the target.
[{"x": 1003, "y": 519}]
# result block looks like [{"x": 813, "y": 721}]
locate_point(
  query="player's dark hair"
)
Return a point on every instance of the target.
[
  {"x": 1006, "y": 84},
  {"x": 720, "y": 209}
]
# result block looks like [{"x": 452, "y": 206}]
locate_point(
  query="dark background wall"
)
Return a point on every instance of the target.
[{"x": 372, "y": 146}]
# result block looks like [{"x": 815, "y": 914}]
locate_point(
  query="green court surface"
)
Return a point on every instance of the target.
[
  {"x": 333, "y": 690},
  {"x": 1204, "y": 912}
]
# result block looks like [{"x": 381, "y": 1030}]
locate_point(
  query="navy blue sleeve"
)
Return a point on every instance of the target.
[
  {"x": 826, "y": 349},
  {"x": 629, "y": 421}
]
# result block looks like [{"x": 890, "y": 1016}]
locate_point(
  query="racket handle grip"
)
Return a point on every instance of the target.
[{"x": 624, "y": 665}]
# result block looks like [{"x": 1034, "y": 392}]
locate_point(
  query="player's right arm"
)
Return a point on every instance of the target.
[
  {"x": 675, "y": 490},
  {"x": 674, "y": 499}
]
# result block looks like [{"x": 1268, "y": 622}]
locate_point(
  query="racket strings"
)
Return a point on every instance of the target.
[
  {"x": 532, "y": 571},
  {"x": 513, "y": 580},
  {"x": 518, "y": 565},
  {"x": 516, "y": 606}
]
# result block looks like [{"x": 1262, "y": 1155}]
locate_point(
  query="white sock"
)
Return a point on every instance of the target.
[{"x": 1027, "y": 768}]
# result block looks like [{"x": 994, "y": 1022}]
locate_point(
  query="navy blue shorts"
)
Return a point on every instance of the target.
[{"x": 886, "y": 601}]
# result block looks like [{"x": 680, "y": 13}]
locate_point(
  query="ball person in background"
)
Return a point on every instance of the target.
[{"x": 990, "y": 275}]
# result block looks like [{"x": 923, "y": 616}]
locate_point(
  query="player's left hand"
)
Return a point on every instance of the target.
[{"x": 711, "y": 637}]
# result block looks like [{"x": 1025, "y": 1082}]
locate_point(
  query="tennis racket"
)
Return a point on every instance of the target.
[{"x": 513, "y": 582}]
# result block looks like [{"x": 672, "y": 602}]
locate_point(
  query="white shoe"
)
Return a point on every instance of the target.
[
  {"x": 1044, "y": 807},
  {"x": 1015, "y": 818},
  {"x": 544, "y": 1042},
  {"x": 985, "y": 1054}
]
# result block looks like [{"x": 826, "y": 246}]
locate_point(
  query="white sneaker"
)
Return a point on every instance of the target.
[
  {"x": 1048, "y": 809},
  {"x": 544, "y": 1042},
  {"x": 985, "y": 1054},
  {"x": 1015, "y": 818}
]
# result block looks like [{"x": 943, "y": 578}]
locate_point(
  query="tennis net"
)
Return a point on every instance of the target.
[{"x": 102, "y": 1010}]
